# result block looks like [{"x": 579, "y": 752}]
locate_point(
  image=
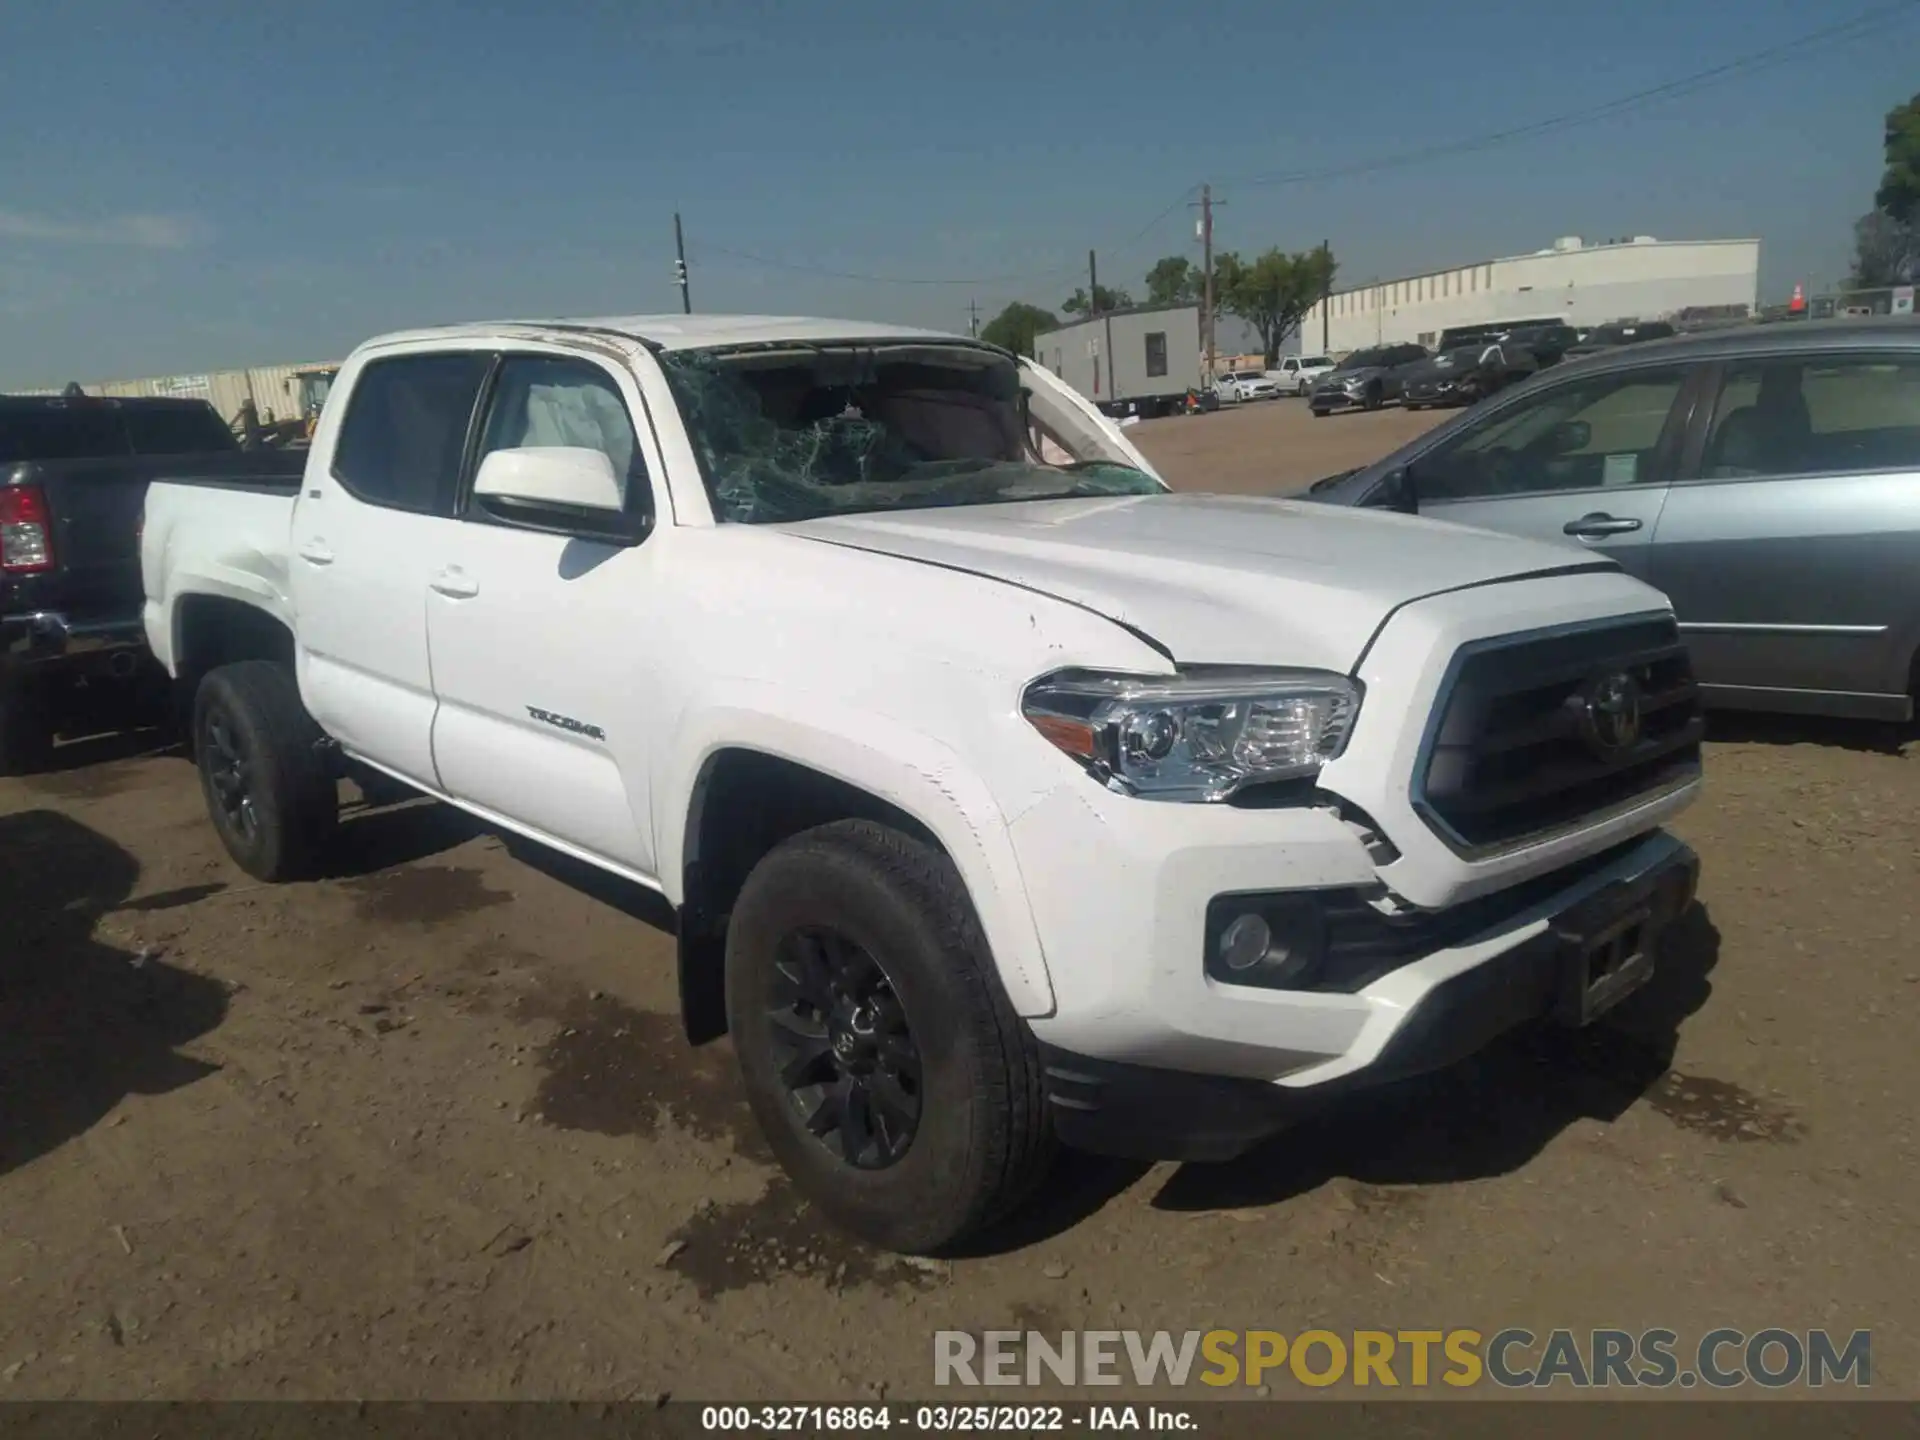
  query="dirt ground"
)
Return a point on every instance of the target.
[{"x": 426, "y": 1129}]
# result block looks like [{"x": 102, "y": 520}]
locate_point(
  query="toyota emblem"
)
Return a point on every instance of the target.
[{"x": 1610, "y": 714}]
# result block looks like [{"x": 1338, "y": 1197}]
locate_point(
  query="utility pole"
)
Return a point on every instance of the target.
[
  {"x": 1093, "y": 310},
  {"x": 1326, "y": 296},
  {"x": 973, "y": 319},
  {"x": 680, "y": 266},
  {"x": 1097, "y": 311},
  {"x": 1207, "y": 328}
]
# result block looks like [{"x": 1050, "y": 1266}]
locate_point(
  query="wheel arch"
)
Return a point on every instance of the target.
[{"x": 770, "y": 779}]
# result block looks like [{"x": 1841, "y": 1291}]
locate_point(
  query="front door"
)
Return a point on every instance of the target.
[
  {"x": 542, "y": 642},
  {"x": 1583, "y": 463},
  {"x": 362, "y": 537}
]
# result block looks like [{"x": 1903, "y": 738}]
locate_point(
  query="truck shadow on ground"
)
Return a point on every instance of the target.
[
  {"x": 1487, "y": 1116},
  {"x": 386, "y": 825},
  {"x": 83, "y": 1024}
]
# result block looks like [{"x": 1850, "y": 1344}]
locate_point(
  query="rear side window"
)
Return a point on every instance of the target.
[
  {"x": 60, "y": 432},
  {"x": 1815, "y": 415},
  {"x": 186, "y": 428},
  {"x": 405, "y": 430}
]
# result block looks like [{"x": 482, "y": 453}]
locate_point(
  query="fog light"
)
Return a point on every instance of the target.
[
  {"x": 1276, "y": 942},
  {"x": 1244, "y": 943}
]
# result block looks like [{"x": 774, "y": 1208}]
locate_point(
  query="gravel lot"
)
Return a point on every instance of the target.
[{"x": 426, "y": 1129}]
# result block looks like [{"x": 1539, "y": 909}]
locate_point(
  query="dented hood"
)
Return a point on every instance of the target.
[{"x": 1214, "y": 579}]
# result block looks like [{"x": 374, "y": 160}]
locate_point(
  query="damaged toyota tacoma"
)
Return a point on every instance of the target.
[{"x": 1005, "y": 798}]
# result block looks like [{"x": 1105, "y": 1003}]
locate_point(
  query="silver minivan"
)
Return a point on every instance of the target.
[{"x": 1767, "y": 478}]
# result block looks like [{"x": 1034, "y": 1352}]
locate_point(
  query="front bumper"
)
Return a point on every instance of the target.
[
  {"x": 1451, "y": 394},
  {"x": 1534, "y": 967},
  {"x": 1337, "y": 399},
  {"x": 1120, "y": 889}
]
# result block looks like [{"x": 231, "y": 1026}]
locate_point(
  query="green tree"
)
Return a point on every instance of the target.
[
  {"x": 1014, "y": 327},
  {"x": 1173, "y": 280},
  {"x": 1272, "y": 292},
  {"x": 1076, "y": 303},
  {"x": 1885, "y": 251},
  {"x": 1886, "y": 240},
  {"x": 1899, "y": 192}
]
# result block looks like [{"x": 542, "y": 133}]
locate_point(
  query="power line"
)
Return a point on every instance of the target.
[
  {"x": 1853, "y": 29},
  {"x": 1857, "y": 28}
]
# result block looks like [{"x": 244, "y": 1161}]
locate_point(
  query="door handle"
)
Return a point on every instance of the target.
[
  {"x": 453, "y": 583},
  {"x": 315, "y": 552},
  {"x": 1590, "y": 527}
]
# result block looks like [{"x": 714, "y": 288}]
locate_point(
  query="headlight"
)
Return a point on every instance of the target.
[{"x": 1198, "y": 735}]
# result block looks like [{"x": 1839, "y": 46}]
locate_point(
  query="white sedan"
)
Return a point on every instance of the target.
[{"x": 1245, "y": 385}]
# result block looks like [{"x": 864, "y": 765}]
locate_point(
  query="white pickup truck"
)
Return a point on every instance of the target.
[{"x": 1004, "y": 797}]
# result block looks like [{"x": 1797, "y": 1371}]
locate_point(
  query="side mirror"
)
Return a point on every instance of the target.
[
  {"x": 1397, "y": 492},
  {"x": 565, "y": 489}
]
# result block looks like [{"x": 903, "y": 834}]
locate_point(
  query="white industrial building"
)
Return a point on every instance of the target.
[{"x": 1583, "y": 284}]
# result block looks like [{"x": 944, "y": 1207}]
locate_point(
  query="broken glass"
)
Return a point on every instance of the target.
[{"x": 800, "y": 433}]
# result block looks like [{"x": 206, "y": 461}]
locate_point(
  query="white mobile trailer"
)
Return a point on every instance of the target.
[{"x": 1140, "y": 361}]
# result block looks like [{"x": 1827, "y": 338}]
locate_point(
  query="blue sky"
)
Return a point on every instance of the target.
[{"x": 197, "y": 185}]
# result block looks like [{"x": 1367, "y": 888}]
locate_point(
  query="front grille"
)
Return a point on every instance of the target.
[{"x": 1531, "y": 734}]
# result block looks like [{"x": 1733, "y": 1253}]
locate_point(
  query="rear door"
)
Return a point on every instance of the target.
[
  {"x": 1791, "y": 543},
  {"x": 365, "y": 535},
  {"x": 1586, "y": 462}
]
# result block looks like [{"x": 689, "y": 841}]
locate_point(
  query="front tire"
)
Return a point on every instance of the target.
[
  {"x": 1375, "y": 397},
  {"x": 882, "y": 1059},
  {"x": 269, "y": 790}
]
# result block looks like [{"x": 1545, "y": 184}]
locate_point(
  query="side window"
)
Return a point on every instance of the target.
[
  {"x": 405, "y": 430},
  {"x": 558, "y": 400},
  {"x": 1588, "y": 436},
  {"x": 1156, "y": 353},
  {"x": 1814, "y": 416}
]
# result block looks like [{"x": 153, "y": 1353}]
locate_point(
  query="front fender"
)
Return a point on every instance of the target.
[{"x": 908, "y": 770}]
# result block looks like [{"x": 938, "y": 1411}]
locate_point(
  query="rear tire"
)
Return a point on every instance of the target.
[
  {"x": 26, "y": 729},
  {"x": 948, "y": 1065},
  {"x": 269, "y": 790}
]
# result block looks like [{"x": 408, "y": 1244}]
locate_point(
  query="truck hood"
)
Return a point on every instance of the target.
[{"x": 1213, "y": 579}]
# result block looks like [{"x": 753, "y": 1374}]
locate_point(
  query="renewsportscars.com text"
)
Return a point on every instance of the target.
[{"x": 1513, "y": 1358}]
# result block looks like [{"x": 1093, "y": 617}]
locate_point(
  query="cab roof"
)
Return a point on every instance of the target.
[{"x": 686, "y": 332}]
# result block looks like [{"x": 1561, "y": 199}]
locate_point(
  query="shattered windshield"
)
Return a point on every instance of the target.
[{"x": 799, "y": 432}]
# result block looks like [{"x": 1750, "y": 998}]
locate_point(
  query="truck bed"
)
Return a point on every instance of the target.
[{"x": 231, "y": 530}]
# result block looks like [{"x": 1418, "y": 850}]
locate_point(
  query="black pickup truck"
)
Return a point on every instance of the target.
[{"x": 74, "y": 471}]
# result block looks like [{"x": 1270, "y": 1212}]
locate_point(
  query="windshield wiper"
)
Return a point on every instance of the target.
[{"x": 1329, "y": 481}]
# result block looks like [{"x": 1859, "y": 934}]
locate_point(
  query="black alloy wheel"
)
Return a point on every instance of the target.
[
  {"x": 845, "y": 1053},
  {"x": 230, "y": 775}
]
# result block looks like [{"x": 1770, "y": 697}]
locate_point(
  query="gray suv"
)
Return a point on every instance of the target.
[{"x": 1766, "y": 478}]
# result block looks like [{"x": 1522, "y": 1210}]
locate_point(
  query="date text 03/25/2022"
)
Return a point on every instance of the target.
[{"x": 944, "y": 1419}]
